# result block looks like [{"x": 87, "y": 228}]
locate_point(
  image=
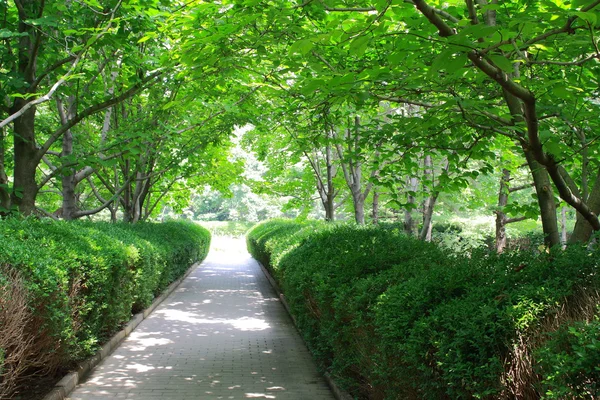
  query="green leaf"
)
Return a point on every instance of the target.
[
  {"x": 456, "y": 63},
  {"x": 148, "y": 36},
  {"x": 5, "y": 34},
  {"x": 302, "y": 46},
  {"x": 442, "y": 60},
  {"x": 359, "y": 46},
  {"x": 589, "y": 17},
  {"x": 502, "y": 62}
]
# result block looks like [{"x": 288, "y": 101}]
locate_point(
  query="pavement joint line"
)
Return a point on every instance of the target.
[{"x": 68, "y": 383}]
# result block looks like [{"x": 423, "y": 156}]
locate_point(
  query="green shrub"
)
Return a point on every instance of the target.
[
  {"x": 392, "y": 317},
  {"x": 570, "y": 362},
  {"x": 83, "y": 280}
]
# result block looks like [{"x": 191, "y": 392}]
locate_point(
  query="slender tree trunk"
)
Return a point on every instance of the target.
[
  {"x": 545, "y": 197},
  {"x": 127, "y": 195},
  {"x": 375, "y": 214},
  {"x": 583, "y": 230},
  {"x": 428, "y": 218},
  {"x": 4, "y": 192},
  {"x": 69, "y": 203},
  {"x": 429, "y": 202},
  {"x": 69, "y": 184},
  {"x": 329, "y": 209},
  {"x": 563, "y": 226},
  {"x": 409, "y": 222},
  {"x": 500, "y": 215},
  {"x": 329, "y": 204}
]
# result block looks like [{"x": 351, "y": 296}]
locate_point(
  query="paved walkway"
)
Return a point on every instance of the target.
[{"x": 223, "y": 334}]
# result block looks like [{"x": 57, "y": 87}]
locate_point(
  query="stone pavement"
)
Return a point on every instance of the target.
[{"x": 222, "y": 334}]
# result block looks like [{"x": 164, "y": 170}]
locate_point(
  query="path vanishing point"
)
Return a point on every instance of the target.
[{"x": 222, "y": 334}]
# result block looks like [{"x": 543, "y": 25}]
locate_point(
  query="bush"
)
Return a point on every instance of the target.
[
  {"x": 81, "y": 281},
  {"x": 392, "y": 317},
  {"x": 570, "y": 361}
]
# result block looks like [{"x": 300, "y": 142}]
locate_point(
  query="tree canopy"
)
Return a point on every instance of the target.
[{"x": 131, "y": 105}]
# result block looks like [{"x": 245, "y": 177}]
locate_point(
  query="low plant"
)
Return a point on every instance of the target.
[
  {"x": 393, "y": 317},
  {"x": 66, "y": 287}
]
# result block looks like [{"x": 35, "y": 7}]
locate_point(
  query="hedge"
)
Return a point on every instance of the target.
[
  {"x": 66, "y": 287},
  {"x": 391, "y": 317}
]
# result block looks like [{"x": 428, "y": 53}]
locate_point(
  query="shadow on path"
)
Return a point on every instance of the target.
[{"x": 222, "y": 334}]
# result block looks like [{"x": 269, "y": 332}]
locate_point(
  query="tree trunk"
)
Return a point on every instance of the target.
[
  {"x": 375, "y": 214},
  {"x": 329, "y": 209},
  {"x": 428, "y": 218},
  {"x": 25, "y": 187},
  {"x": 545, "y": 197},
  {"x": 24, "y": 191},
  {"x": 329, "y": 203},
  {"x": 409, "y": 222},
  {"x": 429, "y": 202},
  {"x": 583, "y": 230},
  {"x": 4, "y": 188},
  {"x": 359, "y": 208},
  {"x": 500, "y": 215},
  {"x": 563, "y": 227},
  {"x": 69, "y": 184}
]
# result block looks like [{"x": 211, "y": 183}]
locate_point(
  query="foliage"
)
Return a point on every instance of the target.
[
  {"x": 227, "y": 228},
  {"x": 570, "y": 361},
  {"x": 394, "y": 317},
  {"x": 83, "y": 280}
]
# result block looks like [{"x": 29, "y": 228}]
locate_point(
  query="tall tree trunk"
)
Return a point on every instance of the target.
[
  {"x": 583, "y": 230},
  {"x": 375, "y": 214},
  {"x": 500, "y": 215},
  {"x": 329, "y": 209},
  {"x": 359, "y": 208},
  {"x": 428, "y": 218},
  {"x": 352, "y": 168},
  {"x": 563, "y": 226},
  {"x": 409, "y": 222},
  {"x": 4, "y": 188},
  {"x": 25, "y": 187},
  {"x": 329, "y": 203},
  {"x": 545, "y": 198},
  {"x": 69, "y": 195},
  {"x": 429, "y": 202},
  {"x": 69, "y": 184},
  {"x": 126, "y": 199}
]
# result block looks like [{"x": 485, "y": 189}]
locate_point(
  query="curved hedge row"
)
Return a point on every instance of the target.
[
  {"x": 396, "y": 318},
  {"x": 66, "y": 287}
]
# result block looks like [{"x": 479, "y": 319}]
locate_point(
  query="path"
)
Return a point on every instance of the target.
[{"x": 222, "y": 334}]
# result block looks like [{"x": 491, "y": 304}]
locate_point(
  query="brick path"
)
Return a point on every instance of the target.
[{"x": 223, "y": 334}]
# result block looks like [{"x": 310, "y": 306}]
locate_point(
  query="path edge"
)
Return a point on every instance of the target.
[
  {"x": 68, "y": 383},
  {"x": 338, "y": 393}
]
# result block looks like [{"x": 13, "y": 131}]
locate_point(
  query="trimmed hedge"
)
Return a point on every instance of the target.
[
  {"x": 396, "y": 318},
  {"x": 82, "y": 281}
]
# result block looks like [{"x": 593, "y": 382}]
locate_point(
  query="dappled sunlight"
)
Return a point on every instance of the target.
[
  {"x": 222, "y": 334},
  {"x": 139, "y": 342},
  {"x": 140, "y": 367},
  {"x": 243, "y": 323},
  {"x": 259, "y": 396}
]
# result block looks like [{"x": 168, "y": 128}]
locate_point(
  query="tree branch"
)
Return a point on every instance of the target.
[{"x": 94, "y": 109}]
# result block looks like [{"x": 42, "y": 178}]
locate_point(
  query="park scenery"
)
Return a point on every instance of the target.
[{"x": 300, "y": 199}]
